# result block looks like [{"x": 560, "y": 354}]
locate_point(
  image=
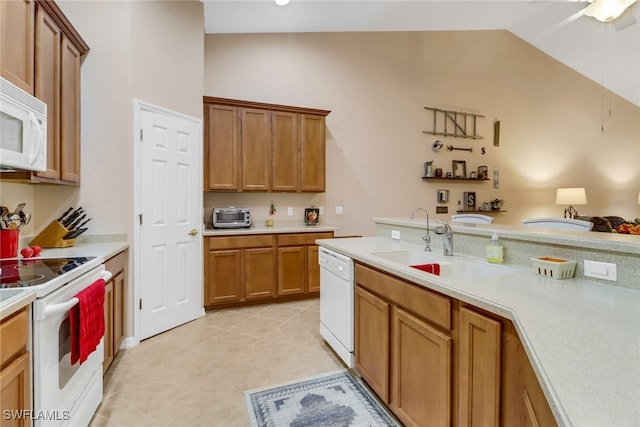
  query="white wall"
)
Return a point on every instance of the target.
[{"x": 376, "y": 85}]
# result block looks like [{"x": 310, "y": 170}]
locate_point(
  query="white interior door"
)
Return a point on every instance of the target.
[{"x": 170, "y": 203}]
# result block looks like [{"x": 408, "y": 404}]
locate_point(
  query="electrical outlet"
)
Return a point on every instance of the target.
[
  {"x": 339, "y": 210},
  {"x": 395, "y": 234},
  {"x": 321, "y": 211},
  {"x": 600, "y": 270},
  {"x": 290, "y": 211}
]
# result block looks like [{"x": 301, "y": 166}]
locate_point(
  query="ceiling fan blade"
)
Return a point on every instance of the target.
[
  {"x": 562, "y": 23},
  {"x": 624, "y": 21}
]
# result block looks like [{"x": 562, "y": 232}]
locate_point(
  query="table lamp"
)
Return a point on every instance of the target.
[{"x": 571, "y": 196}]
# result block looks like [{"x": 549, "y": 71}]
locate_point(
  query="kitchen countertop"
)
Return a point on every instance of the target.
[
  {"x": 262, "y": 229},
  {"x": 103, "y": 248},
  {"x": 582, "y": 337}
]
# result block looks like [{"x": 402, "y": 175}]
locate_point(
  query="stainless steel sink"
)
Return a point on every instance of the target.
[{"x": 450, "y": 267}]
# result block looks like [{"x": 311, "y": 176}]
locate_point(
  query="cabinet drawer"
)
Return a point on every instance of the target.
[
  {"x": 240, "y": 242},
  {"x": 116, "y": 264},
  {"x": 13, "y": 335},
  {"x": 302, "y": 238},
  {"x": 419, "y": 301}
]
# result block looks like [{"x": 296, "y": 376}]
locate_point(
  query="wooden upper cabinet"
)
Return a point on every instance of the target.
[
  {"x": 56, "y": 52},
  {"x": 17, "y": 43},
  {"x": 312, "y": 153},
  {"x": 281, "y": 148},
  {"x": 255, "y": 143},
  {"x": 285, "y": 151},
  {"x": 221, "y": 148},
  {"x": 69, "y": 112},
  {"x": 47, "y": 89}
]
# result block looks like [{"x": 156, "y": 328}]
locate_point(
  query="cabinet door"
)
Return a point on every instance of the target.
[
  {"x": 259, "y": 273},
  {"x": 480, "y": 367},
  {"x": 292, "y": 270},
  {"x": 312, "y": 153},
  {"x": 285, "y": 151},
  {"x": 16, "y": 43},
  {"x": 536, "y": 409},
  {"x": 420, "y": 372},
  {"x": 108, "y": 326},
  {"x": 119, "y": 289},
  {"x": 224, "y": 276},
  {"x": 255, "y": 145},
  {"x": 313, "y": 269},
  {"x": 15, "y": 391},
  {"x": 222, "y": 148},
  {"x": 48, "y": 41},
  {"x": 69, "y": 112},
  {"x": 372, "y": 341}
]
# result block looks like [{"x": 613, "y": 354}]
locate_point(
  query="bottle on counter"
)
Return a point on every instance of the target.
[{"x": 495, "y": 250}]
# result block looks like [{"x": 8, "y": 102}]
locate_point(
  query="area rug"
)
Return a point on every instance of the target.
[{"x": 337, "y": 399}]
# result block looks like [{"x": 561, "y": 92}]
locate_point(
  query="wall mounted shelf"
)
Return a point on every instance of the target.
[
  {"x": 442, "y": 178},
  {"x": 464, "y": 123},
  {"x": 481, "y": 212}
]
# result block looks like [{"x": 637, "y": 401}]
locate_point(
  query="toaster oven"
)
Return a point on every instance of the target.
[{"x": 231, "y": 217}]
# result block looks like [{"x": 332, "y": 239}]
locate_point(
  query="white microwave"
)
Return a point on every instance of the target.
[{"x": 23, "y": 129}]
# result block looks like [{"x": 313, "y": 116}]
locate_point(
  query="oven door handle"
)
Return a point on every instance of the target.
[{"x": 52, "y": 309}]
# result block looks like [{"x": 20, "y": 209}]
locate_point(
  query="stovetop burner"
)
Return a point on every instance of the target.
[{"x": 31, "y": 272}]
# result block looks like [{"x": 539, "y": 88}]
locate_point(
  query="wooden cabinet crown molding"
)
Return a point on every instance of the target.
[
  {"x": 63, "y": 22},
  {"x": 264, "y": 106}
]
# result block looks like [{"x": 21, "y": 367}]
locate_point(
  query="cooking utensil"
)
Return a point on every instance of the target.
[
  {"x": 75, "y": 233},
  {"x": 77, "y": 221},
  {"x": 65, "y": 214},
  {"x": 72, "y": 217}
]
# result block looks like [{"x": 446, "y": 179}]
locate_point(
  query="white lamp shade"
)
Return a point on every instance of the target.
[
  {"x": 607, "y": 10},
  {"x": 571, "y": 196}
]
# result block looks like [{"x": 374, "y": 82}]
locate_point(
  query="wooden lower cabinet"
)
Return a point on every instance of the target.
[
  {"x": 523, "y": 400},
  {"x": 114, "y": 307},
  {"x": 436, "y": 361},
  {"x": 479, "y": 369},
  {"x": 239, "y": 268},
  {"x": 261, "y": 268},
  {"x": 298, "y": 269},
  {"x": 372, "y": 341},
  {"x": 15, "y": 369},
  {"x": 420, "y": 372}
]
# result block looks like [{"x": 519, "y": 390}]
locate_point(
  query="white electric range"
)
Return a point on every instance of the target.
[{"x": 63, "y": 394}]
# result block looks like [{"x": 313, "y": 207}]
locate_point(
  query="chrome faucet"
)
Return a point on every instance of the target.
[
  {"x": 426, "y": 237},
  {"x": 447, "y": 237}
]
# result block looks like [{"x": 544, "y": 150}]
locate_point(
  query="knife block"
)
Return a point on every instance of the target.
[{"x": 51, "y": 237}]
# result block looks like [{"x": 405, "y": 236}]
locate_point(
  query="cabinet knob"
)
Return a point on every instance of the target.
[{"x": 193, "y": 232}]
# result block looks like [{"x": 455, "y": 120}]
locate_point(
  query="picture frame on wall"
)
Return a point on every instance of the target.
[
  {"x": 469, "y": 201},
  {"x": 459, "y": 168},
  {"x": 443, "y": 196},
  {"x": 483, "y": 172}
]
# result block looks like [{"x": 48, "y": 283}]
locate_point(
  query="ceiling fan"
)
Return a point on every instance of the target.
[{"x": 605, "y": 11}]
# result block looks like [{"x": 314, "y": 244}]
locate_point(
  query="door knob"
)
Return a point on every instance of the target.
[{"x": 193, "y": 232}]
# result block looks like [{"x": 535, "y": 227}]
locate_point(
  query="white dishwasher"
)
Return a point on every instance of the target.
[{"x": 336, "y": 303}]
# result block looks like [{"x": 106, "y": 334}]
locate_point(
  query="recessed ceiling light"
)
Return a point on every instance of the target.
[{"x": 282, "y": 2}]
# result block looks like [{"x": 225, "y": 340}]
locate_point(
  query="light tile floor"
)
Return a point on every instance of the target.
[{"x": 196, "y": 374}]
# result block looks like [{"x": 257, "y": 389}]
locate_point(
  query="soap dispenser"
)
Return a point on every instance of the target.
[{"x": 495, "y": 250}]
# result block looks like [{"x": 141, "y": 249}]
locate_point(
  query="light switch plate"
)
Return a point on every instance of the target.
[
  {"x": 600, "y": 270},
  {"x": 395, "y": 234},
  {"x": 290, "y": 211},
  {"x": 339, "y": 210}
]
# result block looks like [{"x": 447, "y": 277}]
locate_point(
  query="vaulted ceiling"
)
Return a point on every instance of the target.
[{"x": 609, "y": 54}]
